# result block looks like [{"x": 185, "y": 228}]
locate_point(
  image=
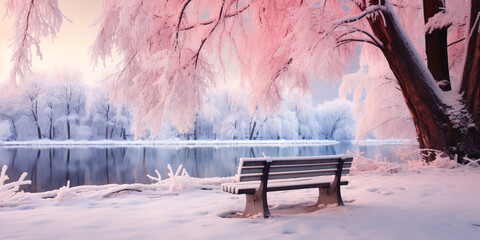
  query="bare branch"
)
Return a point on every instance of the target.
[
  {"x": 373, "y": 38},
  {"x": 208, "y": 22},
  {"x": 455, "y": 42},
  {"x": 209, "y": 34},
  {"x": 345, "y": 41}
]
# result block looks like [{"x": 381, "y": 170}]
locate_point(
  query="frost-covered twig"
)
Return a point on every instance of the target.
[
  {"x": 176, "y": 180},
  {"x": 8, "y": 191},
  {"x": 158, "y": 178}
]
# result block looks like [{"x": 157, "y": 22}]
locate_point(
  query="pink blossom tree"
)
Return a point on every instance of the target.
[{"x": 173, "y": 50}]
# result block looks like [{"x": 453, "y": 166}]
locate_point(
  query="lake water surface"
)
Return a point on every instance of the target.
[{"x": 49, "y": 168}]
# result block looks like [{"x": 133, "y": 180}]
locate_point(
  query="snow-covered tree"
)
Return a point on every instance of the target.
[
  {"x": 11, "y": 110},
  {"x": 32, "y": 92},
  {"x": 5, "y": 131},
  {"x": 171, "y": 49},
  {"x": 72, "y": 98},
  {"x": 378, "y": 101},
  {"x": 336, "y": 120},
  {"x": 51, "y": 106}
]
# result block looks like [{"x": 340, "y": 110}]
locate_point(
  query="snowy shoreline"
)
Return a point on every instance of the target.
[
  {"x": 408, "y": 201},
  {"x": 194, "y": 143}
]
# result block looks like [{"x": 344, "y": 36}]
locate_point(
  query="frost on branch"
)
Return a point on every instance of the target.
[
  {"x": 173, "y": 50},
  {"x": 32, "y": 20},
  {"x": 8, "y": 192},
  {"x": 176, "y": 180}
]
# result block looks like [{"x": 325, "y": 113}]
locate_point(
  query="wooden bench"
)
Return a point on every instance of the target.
[{"x": 257, "y": 176}]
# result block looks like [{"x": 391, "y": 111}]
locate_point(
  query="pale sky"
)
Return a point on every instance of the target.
[{"x": 70, "y": 49}]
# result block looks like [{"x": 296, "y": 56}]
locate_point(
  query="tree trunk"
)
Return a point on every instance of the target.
[
  {"x": 252, "y": 130},
  {"x": 471, "y": 74},
  {"x": 50, "y": 130},
  {"x": 195, "y": 133},
  {"x": 39, "y": 132},
  {"x": 15, "y": 134},
  {"x": 106, "y": 132},
  {"x": 435, "y": 129},
  {"x": 68, "y": 129},
  {"x": 436, "y": 46}
]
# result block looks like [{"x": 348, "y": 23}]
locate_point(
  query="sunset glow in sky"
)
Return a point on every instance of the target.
[{"x": 70, "y": 49}]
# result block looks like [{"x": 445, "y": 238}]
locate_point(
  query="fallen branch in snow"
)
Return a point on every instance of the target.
[
  {"x": 378, "y": 165},
  {"x": 176, "y": 181},
  {"x": 122, "y": 190},
  {"x": 8, "y": 192}
]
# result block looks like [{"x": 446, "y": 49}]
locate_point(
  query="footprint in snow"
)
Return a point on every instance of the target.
[{"x": 379, "y": 191}]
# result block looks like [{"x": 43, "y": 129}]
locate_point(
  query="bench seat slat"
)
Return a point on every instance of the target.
[
  {"x": 282, "y": 175},
  {"x": 236, "y": 188}
]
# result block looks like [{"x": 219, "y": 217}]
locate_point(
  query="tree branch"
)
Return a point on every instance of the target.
[
  {"x": 345, "y": 41},
  {"x": 359, "y": 16},
  {"x": 208, "y": 22},
  {"x": 374, "y": 39},
  {"x": 455, "y": 42},
  {"x": 209, "y": 34}
]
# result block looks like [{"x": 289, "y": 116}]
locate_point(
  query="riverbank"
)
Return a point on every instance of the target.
[{"x": 183, "y": 143}]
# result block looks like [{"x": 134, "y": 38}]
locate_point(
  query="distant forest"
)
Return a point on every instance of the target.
[{"x": 66, "y": 108}]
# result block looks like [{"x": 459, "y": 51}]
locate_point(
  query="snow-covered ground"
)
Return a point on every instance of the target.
[{"x": 383, "y": 201}]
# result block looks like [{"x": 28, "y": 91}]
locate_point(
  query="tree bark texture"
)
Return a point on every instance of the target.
[{"x": 471, "y": 74}]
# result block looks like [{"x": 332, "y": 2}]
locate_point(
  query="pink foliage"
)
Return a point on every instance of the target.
[
  {"x": 32, "y": 20},
  {"x": 174, "y": 50}
]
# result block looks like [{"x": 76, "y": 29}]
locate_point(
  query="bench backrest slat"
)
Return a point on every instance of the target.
[
  {"x": 288, "y": 168},
  {"x": 291, "y": 161},
  {"x": 305, "y": 174},
  {"x": 251, "y": 169}
]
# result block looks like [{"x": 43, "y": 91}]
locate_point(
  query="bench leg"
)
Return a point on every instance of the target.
[
  {"x": 329, "y": 196},
  {"x": 257, "y": 203}
]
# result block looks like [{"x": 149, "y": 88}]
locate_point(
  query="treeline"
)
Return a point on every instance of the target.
[{"x": 65, "y": 108}]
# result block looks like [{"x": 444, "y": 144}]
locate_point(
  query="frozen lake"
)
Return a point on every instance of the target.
[{"x": 49, "y": 167}]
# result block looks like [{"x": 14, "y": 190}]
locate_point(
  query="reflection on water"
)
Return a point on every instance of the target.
[{"x": 50, "y": 168}]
